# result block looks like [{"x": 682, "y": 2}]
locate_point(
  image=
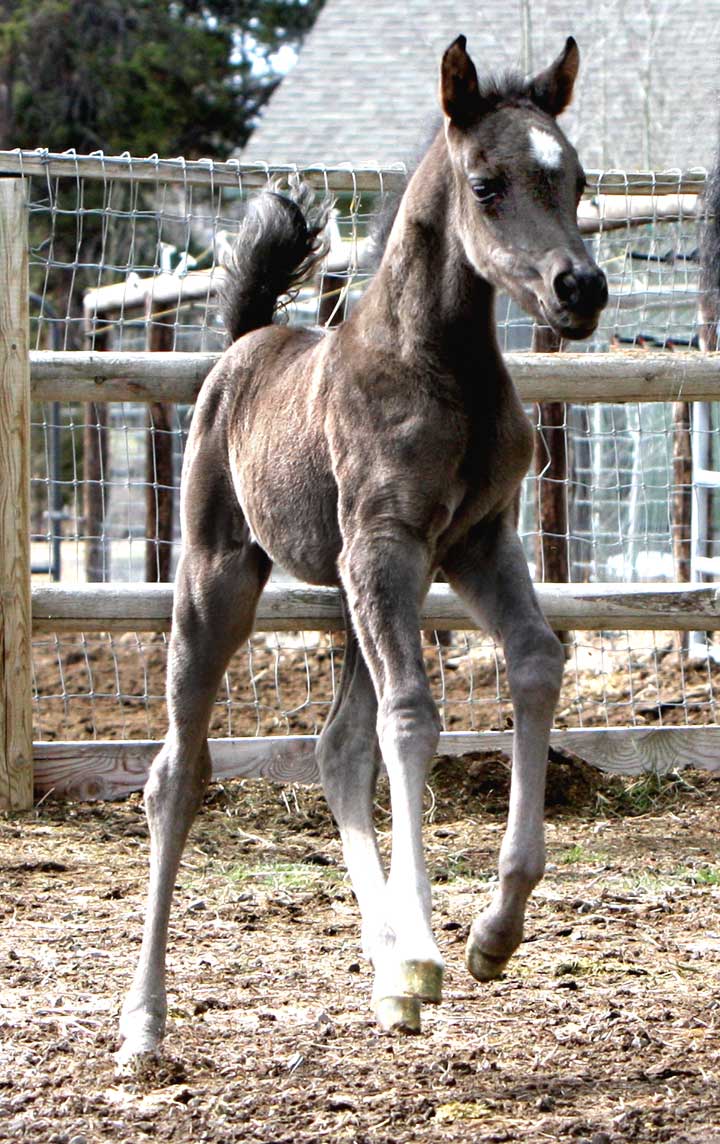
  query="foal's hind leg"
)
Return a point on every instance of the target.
[
  {"x": 490, "y": 573},
  {"x": 348, "y": 756},
  {"x": 216, "y": 594}
]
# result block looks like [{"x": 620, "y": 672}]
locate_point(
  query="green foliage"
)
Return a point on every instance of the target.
[
  {"x": 648, "y": 793},
  {"x": 702, "y": 875},
  {"x": 285, "y": 875},
  {"x": 178, "y": 78}
]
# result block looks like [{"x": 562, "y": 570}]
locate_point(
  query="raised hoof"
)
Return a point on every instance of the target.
[
  {"x": 483, "y": 966},
  {"x": 398, "y": 1014}
]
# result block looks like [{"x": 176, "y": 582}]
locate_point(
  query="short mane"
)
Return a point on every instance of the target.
[{"x": 507, "y": 87}]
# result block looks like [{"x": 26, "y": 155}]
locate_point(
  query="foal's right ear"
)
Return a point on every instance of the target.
[
  {"x": 552, "y": 89},
  {"x": 459, "y": 92}
]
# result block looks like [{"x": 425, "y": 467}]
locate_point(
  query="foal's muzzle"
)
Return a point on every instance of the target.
[{"x": 578, "y": 295}]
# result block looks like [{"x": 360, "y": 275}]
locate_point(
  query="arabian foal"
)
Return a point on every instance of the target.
[{"x": 369, "y": 458}]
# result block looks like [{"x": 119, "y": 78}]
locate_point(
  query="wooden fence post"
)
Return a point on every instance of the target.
[
  {"x": 681, "y": 504},
  {"x": 16, "y": 773},
  {"x": 551, "y": 468},
  {"x": 551, "y": 552},
  {"x": 159, "y": 492}
]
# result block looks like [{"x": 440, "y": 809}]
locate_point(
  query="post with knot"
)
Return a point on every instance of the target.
[{"x": 16, "y": 773}]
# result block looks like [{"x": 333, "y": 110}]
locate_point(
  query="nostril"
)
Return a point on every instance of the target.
[
  {"x": 566, "y": 290},
  {"x": 594, "y": 290},
  {"x": 583, "y": 290}
]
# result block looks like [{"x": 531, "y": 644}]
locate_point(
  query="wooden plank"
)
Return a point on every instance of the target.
[
  {"x": 551, "y": 472},
  {"x": 113, "y": 376},
  {"x": 16, "y": 778},
  {"x": 208, "y": 172},
  {"x": 602, "y": 213},
  {"x": 616, "y": 377},
  {"x": 681, "y": 495},
  {"x": 110, "y": 770},
  {"x": 587, "y": 607},
  {"x": 95, "y": 490},
  {"x": 163, "y": 289},
  {"x": 159, "y": 489},
  {"x": 200, "y": 172},
  {"x": 573, "y": 377}
]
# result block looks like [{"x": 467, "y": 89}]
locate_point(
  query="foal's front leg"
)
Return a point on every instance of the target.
[
  {"x": 385, "y": 581},
  {"x": 490, "y": 573}
]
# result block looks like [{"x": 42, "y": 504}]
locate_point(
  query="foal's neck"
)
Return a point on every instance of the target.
[{"x": 426, "y": 300}]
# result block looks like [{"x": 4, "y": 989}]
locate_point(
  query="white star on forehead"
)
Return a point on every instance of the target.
[{"x": 545, "y": 147}]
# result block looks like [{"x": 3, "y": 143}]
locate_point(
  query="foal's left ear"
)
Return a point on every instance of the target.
[
  {"x": 552, "y": 89},
  {"x": 459, "y": 91}
]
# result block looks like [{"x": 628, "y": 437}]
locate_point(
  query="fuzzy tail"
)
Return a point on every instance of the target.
[{"x": 279, "y": 244}]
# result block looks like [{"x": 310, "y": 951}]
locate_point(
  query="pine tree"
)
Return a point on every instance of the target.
[{"x": 174, "y": 78}]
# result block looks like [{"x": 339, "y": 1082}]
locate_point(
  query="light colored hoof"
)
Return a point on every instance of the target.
[
  {"x": 142, "y": 1035},
  {"x": 483, "y": 966},
  {"x": 410, "y": 978},
  {"x": 422, "y": 979},
  {"x": 398, "y": 1014},
  {"x": 133, "y": 1062}
]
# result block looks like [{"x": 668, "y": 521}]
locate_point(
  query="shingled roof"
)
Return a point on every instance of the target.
[{"x": 363, "y": 88}]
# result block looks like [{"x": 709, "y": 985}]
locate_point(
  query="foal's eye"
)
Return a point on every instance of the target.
[{"x": 486, "y": 190}]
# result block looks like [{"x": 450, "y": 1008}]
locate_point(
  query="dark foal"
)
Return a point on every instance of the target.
[{"x": 371, "y": 458}]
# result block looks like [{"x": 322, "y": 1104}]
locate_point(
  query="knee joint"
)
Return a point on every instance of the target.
[
  {"x": 409, "y": 718},
  {"x": 169, "y": 776},
  {"x": 537, "y": 674},
  {"x": 520, "y": 871}
]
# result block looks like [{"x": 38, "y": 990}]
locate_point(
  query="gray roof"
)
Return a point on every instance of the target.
[{"x": 363, "y": 89}]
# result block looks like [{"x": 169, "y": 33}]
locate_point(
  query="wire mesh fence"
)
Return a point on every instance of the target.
[
  {"x": 112, "y": 687},
  {"x": 128, "y": 255}
]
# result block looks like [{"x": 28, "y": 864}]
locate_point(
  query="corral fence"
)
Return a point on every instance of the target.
[{"x": 109, "y": 271}]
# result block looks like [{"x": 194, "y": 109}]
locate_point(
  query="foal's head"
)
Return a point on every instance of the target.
[{"x": 517, "y": 183}]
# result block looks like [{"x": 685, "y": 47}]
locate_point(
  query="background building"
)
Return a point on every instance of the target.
[{"x": 361, "y": 89}]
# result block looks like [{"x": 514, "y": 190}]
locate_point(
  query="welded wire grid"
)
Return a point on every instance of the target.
[{"x": 119, "y": 264}]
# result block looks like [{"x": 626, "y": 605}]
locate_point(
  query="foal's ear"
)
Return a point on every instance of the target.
[
  {"x": 552, "y": 89},
  {"x": 459, "y": 92}
]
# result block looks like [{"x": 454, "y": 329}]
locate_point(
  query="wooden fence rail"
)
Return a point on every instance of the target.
[
  {"x": 587, "y": 607},
  {"x": 233, "y": 173},
  {"x": 573, "y": 377},
  {"x": 113, "y": 769}
]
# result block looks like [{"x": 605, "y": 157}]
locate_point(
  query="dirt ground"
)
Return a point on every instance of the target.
[{"x": 604, "y": 1029}]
